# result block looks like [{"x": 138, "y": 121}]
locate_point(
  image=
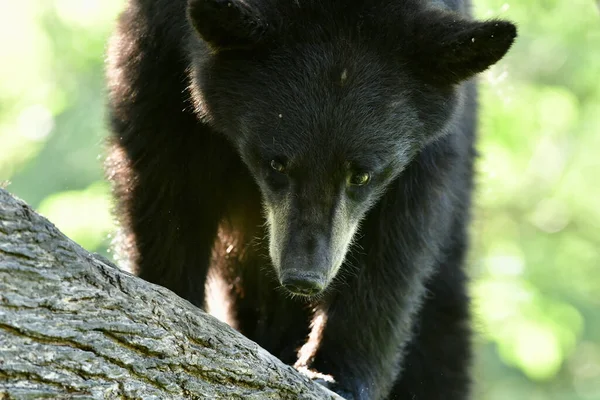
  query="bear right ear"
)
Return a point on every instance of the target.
[
  {"x": 227, "y": 24},
  {"x": 448, "y": 49}
]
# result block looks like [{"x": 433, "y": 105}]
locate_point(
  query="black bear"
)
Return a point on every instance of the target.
[{"x": 312, "y": 159}]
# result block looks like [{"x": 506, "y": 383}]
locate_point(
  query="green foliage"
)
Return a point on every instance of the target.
[
  {"x": 535, "y": 261},
  {"x": 52, "y": 124}
]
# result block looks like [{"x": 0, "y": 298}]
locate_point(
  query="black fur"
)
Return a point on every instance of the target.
[{"x": 208, "y": 98}]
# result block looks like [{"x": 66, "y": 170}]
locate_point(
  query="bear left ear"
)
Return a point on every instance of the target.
[
  {"x": 449, "y": 49},
  {"x": 227, "y": 24}
]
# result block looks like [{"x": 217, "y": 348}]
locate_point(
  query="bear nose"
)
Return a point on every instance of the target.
[{"x": 304, "y": 284}]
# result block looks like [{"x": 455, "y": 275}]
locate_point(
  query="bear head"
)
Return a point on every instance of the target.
[{"x": 327, "y": 102}]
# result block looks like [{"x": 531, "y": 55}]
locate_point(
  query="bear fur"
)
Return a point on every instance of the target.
[{"x": 303, "y": 169}]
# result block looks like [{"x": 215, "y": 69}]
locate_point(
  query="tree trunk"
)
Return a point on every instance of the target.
[{"x": 72, "y": 325}]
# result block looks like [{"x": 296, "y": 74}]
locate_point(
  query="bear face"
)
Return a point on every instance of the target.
[
  {"x": 326, "y": 115},
  {"x": 307, "y": 149}
]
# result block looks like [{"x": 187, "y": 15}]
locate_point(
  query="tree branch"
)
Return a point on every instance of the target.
[{"x": 72, "y": 325}]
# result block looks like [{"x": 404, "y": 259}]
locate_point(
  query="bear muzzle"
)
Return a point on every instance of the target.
[{"x": 305, "y": 264}]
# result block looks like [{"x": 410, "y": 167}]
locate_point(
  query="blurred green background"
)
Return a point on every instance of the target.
[{"x": 535, "y": 262}]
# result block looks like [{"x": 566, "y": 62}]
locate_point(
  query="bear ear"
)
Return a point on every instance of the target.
[
  {"x": 449, "y": 49},
  {"x": 227, "y": 24}
]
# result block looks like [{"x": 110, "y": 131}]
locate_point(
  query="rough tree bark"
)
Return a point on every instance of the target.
[{"x": 74, "y": 326}]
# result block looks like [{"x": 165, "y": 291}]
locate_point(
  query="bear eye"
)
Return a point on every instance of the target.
[
  {"x": 278, "y": 166},
  {"x": 359, "y": 179}
]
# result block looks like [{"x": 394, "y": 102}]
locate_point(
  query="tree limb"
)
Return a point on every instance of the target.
[{"x": 72, "y": 325}]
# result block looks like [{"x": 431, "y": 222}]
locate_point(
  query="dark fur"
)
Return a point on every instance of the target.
[{"x": 199, "y": 108}]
